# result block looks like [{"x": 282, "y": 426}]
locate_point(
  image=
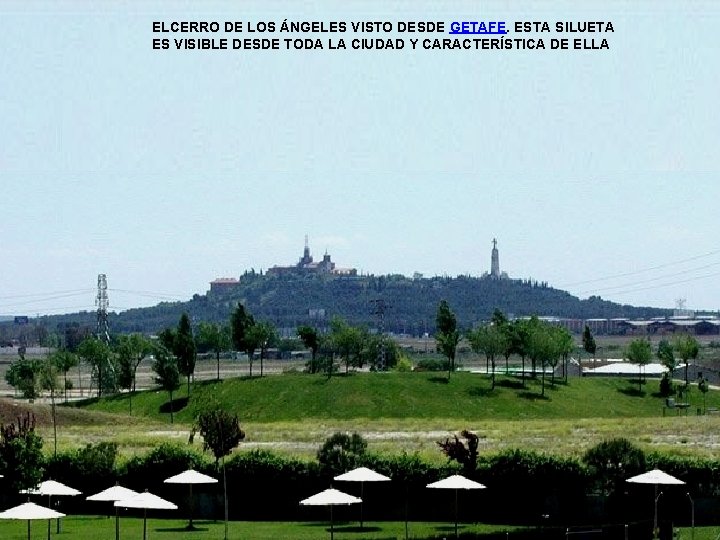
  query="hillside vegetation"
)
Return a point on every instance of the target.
[{"x": 411, "y": 303}]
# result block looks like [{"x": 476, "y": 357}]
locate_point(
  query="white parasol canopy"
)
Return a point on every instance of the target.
[
  {"x": 330, "y": 497},
  {"x": 29, "y": 511},
  {"x": 52, "y": 488},
  {"x": 456, "y": 482},
  {"x": 191, "y": 477},
  {"x": 362, "y": 475},
  {"x": 112, "y": 494},
  {"x": 655, "y": 477},
  {"x": 146, "y": 501}
]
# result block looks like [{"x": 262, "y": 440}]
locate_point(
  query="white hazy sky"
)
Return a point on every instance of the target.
[{"x": 597, "y": 172}]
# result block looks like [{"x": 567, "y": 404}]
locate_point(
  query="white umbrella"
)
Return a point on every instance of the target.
[
  {"x": 362, "y": 475},
  {"x": 146, "y": 501},
  {"x": 112, "y": 494},
  {"x": 52, "y": 488},
  {"x": 330, "y": 497},
  {"x": 656, "y": 477},
  {"x": 191, "y": 477},
  {"x": 29, "y": 511},
  {"x": 456, "y": 482}
]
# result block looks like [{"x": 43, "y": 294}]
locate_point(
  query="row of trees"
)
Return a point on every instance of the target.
[
  {"x": 671, "y": 354},
  {"x": 530, "y": 339},
  {"x": 352, "y": 345}
]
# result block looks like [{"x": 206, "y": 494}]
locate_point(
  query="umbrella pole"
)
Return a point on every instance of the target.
[
  {"x": 49, "y": 520},
  {"x": 190, "y": 526},
  {"x": 362, "y": 484},
  {"x": 28, "y": 529},
  {"x": 145, "y": 524},
  {"x": 332, "y": 534},
  {"x": 456, "y": 513},
  {"x": 655, "y": 521},
  {"x": 117, "y": 524}
]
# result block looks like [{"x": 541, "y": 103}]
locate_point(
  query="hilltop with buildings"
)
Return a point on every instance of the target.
[{"x": 310, "y": 292}]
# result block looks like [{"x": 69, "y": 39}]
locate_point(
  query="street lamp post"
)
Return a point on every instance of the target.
[{"x": 692, "y": 517}]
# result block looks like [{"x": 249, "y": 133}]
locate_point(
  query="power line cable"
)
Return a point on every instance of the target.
[
  {"x": 642, "y": 270},
  {"x": 649, "y": 280}
]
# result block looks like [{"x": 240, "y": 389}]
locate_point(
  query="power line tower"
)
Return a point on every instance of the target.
[{"x": 101, "y": 301}]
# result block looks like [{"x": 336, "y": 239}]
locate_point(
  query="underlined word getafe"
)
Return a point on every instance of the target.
[{"x": 475, "y": 27}]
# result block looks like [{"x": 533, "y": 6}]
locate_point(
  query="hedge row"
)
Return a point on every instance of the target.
[{"x": 522, "y": 485}]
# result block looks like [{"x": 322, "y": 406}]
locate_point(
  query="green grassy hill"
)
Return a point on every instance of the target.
[{"x": 375, "y": 396}]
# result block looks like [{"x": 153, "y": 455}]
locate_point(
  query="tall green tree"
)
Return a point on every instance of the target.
[
  {"x": 168, "y": 374},
  {"x": 543, "y": 348},
  {"x": 687, "y": 348},
  {"x": 98, "y": 355},
  {"x": 49, "y": 382},
  {"x": 221, "y": 433},
  {"x": 639, "y": 352},
  {"x": 240, "y": 322},
  {"x": 566, "y": 345},
  {"x": 490, "y": 341},
  {"x": 588, "y": 342},
  {"x": 65, "y": 361},
  {"x": 214, "y": 337},
  {"x": 132, "y": 349},
  {"x": 264, "y": 335},
  {"x": 184, "y": 349},
  {"x": 666, "y": 355},
  {"x": 502, "y": 323},
  {"x": 24, "y": 375},
  {"x": 348, "y": 342},
  {"x": 447, "y": 335},
  {"x": 311, "y": 339},
  {"x": 520, "y": 341},
  {"x": 21, "y": 456}
]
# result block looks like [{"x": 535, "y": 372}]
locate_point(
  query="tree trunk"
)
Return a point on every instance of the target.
[
  {"x": 522, "y": 373},
  {"x": 261, "y": 363},
  {"x": 217, "y": 355},
  {"x": 493, "y": 375},
  {"x": 542, "y": 393},
  {"x": 171, "y": 407},
  {"x": 54, "y": 419}
]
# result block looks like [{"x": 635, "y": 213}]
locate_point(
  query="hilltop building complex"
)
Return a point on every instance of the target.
[{"x": 306, "y": 265}]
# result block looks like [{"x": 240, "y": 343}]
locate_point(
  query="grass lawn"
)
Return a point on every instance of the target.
[
  {"x": 294, "y": 397},
  {"x": 92, "y": 528},
  {"x": 295, "y": 413}
]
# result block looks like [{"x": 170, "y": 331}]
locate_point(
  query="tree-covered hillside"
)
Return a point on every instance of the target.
[{"x": 410, "y": 304}]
